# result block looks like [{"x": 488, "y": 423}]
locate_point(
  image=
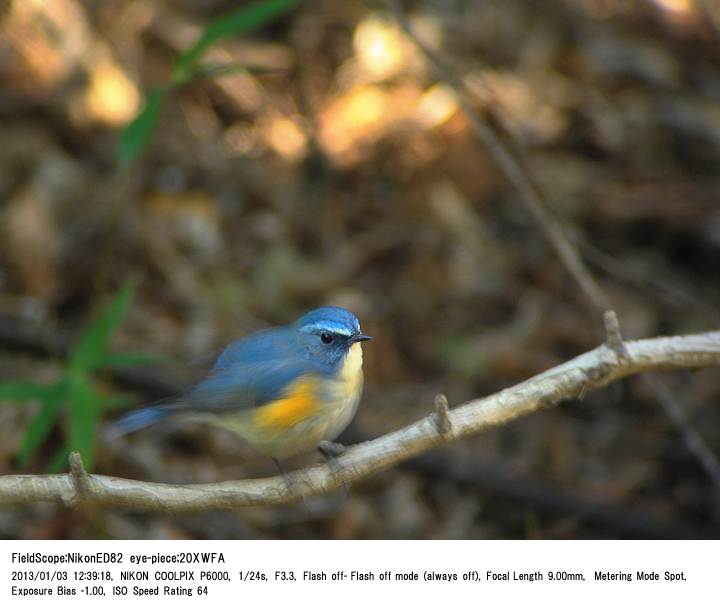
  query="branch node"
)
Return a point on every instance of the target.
[
  {"x": 80, "y": 480},
  {"x": 442, "y": 416},
  {"x": 613, "y": 336}
]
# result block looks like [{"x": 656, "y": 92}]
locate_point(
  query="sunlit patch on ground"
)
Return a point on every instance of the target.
[
  {"x": 285, "y": 137},
  {"x": 381, "y": 48},
  {"x": 111, "y": 98}
]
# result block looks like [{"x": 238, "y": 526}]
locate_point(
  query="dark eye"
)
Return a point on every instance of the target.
[{"x": 326, "y": 337}]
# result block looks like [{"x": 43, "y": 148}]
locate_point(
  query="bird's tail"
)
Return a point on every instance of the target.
[{"x": 138, "y": 419}]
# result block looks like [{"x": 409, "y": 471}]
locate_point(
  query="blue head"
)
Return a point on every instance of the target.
[{"x": 328, "y": 333}]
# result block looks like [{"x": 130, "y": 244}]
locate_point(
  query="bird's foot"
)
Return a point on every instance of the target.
[{"x": 331, "y": 450}]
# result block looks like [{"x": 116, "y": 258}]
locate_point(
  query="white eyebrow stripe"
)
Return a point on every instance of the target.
[{"x": 327, "y": 327}]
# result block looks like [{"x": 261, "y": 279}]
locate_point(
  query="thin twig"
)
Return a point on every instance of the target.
[
  {"x": 713, "y": 22},
  {"x": 592, "y": 370},
  {"x": 671, "y": 406},
  {"x": 693, "y": 440},
  {"x": 526, "y": 492},
  {"x": 510, "y": 168}
]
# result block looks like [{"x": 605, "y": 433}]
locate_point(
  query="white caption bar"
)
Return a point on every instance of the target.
[{"x": 355, "y": 573}]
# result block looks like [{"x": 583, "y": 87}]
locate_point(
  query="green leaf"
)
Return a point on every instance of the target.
[
  {"x": 42, "y": 424},
  {"x": 135, "y": 136},
  {"x": 90, "y": 350},
  {"x": 21, "y": 391},
  {"x": 85, "y": 406},
  {"x": 243, "y": 20},
  {"x": 126, "y": 360}
]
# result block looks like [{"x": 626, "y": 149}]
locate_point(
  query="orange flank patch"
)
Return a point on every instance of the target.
[{"x": 299, "y": 403}]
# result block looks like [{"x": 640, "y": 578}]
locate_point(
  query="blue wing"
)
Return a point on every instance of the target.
[
  {"x": 251, "y": 371},
  {"x": 247, "y": 385},
  {"x": 248, "y": 373}
]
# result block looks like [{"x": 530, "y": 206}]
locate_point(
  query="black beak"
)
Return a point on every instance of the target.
[{"x": 358, "y": 338}]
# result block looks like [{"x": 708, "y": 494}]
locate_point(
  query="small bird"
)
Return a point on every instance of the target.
[{"x": 283, "y": 390}]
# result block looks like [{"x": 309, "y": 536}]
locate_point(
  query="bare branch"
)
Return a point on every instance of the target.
[{"x": 590, "y": 371}]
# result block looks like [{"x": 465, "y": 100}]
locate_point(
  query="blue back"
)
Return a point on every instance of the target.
[{"x": 271, "y": 344}]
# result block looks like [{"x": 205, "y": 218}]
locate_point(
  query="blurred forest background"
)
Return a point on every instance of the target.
[{"x": 338, "y": 169}]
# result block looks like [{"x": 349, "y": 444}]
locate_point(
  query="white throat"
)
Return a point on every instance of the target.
[{"x": 352, "y": 365}]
